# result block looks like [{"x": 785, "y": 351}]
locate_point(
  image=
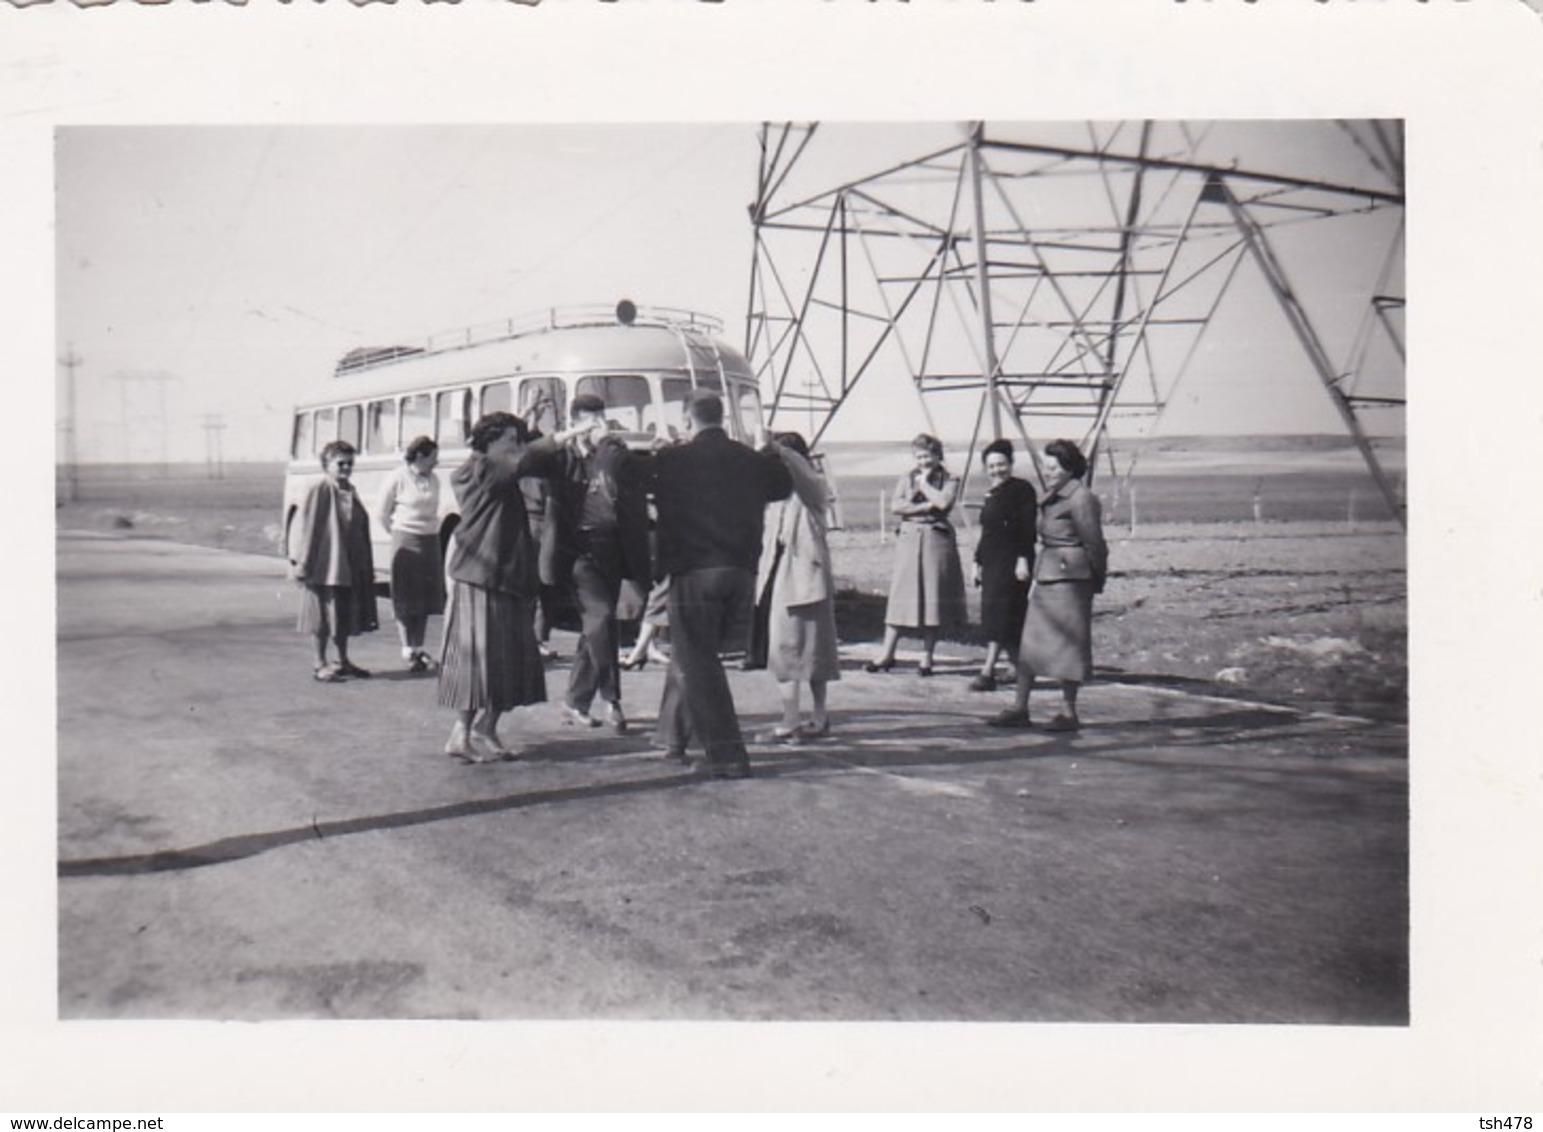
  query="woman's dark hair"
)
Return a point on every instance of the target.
[
  {"x": 1002, "y": 447},
  {"x": 1069, "y": 456},
  {"x": 926, "y": 441},
  {"x": 336, "y": 448},
  {"x": 493, "y": 425},
  {"x": 420, "y": 447},
  {"x": 792, "y": 440}
]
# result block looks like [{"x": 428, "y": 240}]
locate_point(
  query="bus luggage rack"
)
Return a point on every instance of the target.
[{"x": 534, "y": 322}]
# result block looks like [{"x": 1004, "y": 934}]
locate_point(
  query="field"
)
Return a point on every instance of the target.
[{"x": 1271, "y": 573}]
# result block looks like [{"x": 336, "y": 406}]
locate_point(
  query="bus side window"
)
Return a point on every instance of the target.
[
  {"x": 301, "y": 445},
  {"x": 351, "y": 425},
  {"x": 417, "y": 417},
  {"x": 454, "y": 427},
  {"x": 381, "y": 434},
  {"x": 541, "y": 403},
  {"x": 496, "y": 398},
  {"x": 326, "y": 429}
]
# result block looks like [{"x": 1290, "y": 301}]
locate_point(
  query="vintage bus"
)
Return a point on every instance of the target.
[{"x": 641, "y": 361}]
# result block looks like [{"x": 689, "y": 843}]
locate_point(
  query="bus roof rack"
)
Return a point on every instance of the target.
[{"x": 534, "y": 322}]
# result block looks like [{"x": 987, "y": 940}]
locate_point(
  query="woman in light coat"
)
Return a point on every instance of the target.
[
  {"x": 795, "y": 579},
  {"x": 926, "y": 590},
  {"x": 329, "y": 555},
  {"x": 1071, "y": 566}
]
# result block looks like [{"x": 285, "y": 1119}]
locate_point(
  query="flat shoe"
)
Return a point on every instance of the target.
[
  {"x": 983, "y": 683},
  {"x": 780, "y": 735},
  {"x": 924, "y": 670},
  {"x": 582, "y": 718},
  {"x": 1063, "y": 723},
  {"x": 1009, "y": 717},
  {"x": 810, "y": 731},
  {"x": 488, "y": 744},
  {"x": 349, "y": 668},
  {"x": 878, "y": 666},
  {"x": 327, "y": 674}
]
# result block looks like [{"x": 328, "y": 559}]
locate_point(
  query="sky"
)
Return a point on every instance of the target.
[{"x": 214, "y": 273}]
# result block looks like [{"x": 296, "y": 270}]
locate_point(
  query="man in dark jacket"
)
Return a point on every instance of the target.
[
  {"x": 711, "y": 494},
  {"x": 595, "y": 536}
]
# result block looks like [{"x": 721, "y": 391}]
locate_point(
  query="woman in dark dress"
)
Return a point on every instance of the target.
[
  {"x": 1072, "y": 564},
  {"x": 1004, "y": 558}
]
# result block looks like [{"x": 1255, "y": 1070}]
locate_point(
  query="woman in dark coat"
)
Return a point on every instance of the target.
[
  {"x": 1004, "y": 558},
  {"x": 490, "y": 662},
  {"x": 1072, "y": 564},
  {"x": 926, "y": 590}
]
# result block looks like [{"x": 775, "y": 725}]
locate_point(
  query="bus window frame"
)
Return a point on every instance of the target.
[
  {"x": 390, "y": 442},
  {"x": 462, "y": 418}
]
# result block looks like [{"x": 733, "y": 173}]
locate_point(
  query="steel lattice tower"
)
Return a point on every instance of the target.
[{"x": 1056, "y": 272}]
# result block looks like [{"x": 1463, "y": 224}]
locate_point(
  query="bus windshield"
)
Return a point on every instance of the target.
[{"x": 628, "y": 406}]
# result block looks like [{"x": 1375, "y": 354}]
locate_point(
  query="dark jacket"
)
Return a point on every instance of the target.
[
  {"x": 492, "y": 546},
  {"x": 620, "y": 478},
  {"x": 711, "y": 495},
  {"x": 1008, "y": 518}
]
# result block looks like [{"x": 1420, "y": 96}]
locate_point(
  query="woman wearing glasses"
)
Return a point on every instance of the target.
[{"x": 329, "y": 555}]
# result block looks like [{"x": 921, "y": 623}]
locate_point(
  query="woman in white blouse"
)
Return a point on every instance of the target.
[{"x": 409, "y": 509}]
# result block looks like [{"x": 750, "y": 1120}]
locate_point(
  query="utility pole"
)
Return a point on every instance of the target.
[
  {"x": 70, "y": 362},
  {"x": 214, "y": 456}
]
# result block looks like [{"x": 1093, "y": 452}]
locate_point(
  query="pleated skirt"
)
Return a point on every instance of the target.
[
  {"x": 489, "y": 659},
  {"x": 417, "y": 575},
  {"x": 1057, "y": 640},
  {"x": 926, "y": 589}
]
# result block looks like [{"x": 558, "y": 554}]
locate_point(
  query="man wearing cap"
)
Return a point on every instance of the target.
[
  {"x": 595, "y": 536},
  {"x": 711, "y": 495}
]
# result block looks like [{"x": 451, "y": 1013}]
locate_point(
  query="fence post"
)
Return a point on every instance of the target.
[
  {"x": 1132, "y": 509},
  {"x": 883, "y": 510}
]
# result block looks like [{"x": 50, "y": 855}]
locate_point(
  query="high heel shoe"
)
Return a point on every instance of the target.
[
  {"x": 635, "y": 663},
  {"x": 879, "y": 665}
]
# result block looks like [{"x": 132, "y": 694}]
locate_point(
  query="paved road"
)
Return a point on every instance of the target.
[{"x": 238, "y": 841}]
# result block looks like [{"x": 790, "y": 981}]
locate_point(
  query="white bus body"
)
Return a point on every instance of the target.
[{"x": 641, "y": 362}]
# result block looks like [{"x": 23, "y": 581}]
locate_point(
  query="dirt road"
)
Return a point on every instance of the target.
[{"x": 238, "y": 841}]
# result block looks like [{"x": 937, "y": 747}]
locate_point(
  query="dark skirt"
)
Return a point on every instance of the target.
[
  {"x": 337, "y": 611},
  {"x": 1003, "y": 602},
  {"x": 489, "y": 659},
  {"x": 1057, "y": 638},
  {"x": 417, "y": 575},
  {"x": 926, "y": 590}
]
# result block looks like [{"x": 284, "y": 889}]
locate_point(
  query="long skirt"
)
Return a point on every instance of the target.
[
  {"x": 1057, "y": 638},
  {"x": 1003, "y": 602},
  {"x": 926, "y": 590},
  {"x": 417, "y": 575},
  {"x": 801, "y": 642},
  {"x": 489, "y": 659},
  {"x": 337, "y": 611}
]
